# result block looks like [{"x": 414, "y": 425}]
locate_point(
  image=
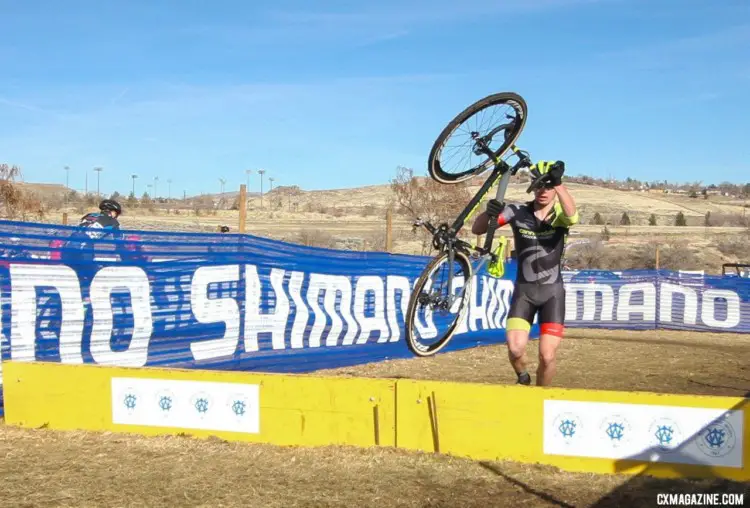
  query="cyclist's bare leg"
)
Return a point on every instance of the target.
[
  {"x": 517, "y": 340},
  {"x": 548, "y": 345}
]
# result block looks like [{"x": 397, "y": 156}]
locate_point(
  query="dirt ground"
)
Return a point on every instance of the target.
[
  {"x": 655, "y": 361},
  {"x": 47, "y": 468}
]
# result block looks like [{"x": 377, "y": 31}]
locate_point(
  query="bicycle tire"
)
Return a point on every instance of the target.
[
  {"x": 434, "y": 167},
  {"x": 416, "y": 348}
]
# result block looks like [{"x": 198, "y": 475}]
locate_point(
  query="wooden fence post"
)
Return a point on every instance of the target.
[
  {"x": 243, "y": 207},
  {"x": 388, "y": 230},
  {"x": 65, "y": 218}
]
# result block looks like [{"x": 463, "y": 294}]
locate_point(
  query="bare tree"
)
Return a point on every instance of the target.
[
  {"x": 428, "y": 199},
  {"x": 14, "y": 202}
]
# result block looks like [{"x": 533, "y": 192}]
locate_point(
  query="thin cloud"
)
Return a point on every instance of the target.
[
  {"x": 684, "y": 50},
  {"x": 420, "y": 11},
  {"x": 368, "y": 23},
  {"x": 119, "y": 96},
  {"x": 21, "y": 105},
  {"x": 385, "y": 37}
]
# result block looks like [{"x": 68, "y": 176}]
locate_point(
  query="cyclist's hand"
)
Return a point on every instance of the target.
[
  {"x": 552, "y": 171},
  {"x": 556, "y": 171},
  {"x": 494, "y": 207}
]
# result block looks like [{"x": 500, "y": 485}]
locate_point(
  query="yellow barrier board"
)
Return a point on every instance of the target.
[
  {"x": 661, "y": 435},
  {"x": 270, "y": 408},
  {"x": 576, "y": 430}
]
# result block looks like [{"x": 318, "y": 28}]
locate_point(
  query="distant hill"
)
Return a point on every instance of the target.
[{"x": 592, "y": 199}]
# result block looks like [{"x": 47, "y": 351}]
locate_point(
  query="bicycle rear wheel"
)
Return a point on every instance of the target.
[
  {"x": 431, "y": 302},
  {"x": 486, "y": 117}
]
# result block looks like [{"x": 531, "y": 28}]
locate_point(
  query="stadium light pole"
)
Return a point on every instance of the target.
[
  {"x": 169, "y": 189},
  {"x": 261, "y": 172},
  {"x": 98, "y": 172},
  {"x": 133, "y": 177}
]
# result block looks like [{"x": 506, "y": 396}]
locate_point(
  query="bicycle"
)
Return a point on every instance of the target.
[{"x": 444, "y": 237}]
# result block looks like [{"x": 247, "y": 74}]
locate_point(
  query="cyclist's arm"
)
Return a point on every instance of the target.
[
  {"x": 569, "y": 217},
  {"x": 481, "y": 223}
]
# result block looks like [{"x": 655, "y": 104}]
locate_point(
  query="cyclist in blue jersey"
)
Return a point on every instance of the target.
[
  {"x": 106, "y": 219},
  {"x": 79, "y": 249}
]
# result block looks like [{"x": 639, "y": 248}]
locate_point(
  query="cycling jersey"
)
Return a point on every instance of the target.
[
  {"x": 539, "y": 244},
  {"x": 79, "y": 251},
  {"x": 95, "y": 221}
]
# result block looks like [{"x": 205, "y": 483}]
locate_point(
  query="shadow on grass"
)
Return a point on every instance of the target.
[{"x": 526, "y": 488}]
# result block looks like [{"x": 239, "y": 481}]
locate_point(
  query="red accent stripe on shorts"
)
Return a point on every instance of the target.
[{"x": 552, "y": 329}]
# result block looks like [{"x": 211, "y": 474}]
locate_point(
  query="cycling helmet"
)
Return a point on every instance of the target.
[
  {"x": 224, "y": 229},
  {"x": 108, "y": 205}
]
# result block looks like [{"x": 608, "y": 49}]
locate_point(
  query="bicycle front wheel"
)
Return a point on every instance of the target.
[
  {"x": 498, "y": 119},
  {"x": 438, "y": 303}
]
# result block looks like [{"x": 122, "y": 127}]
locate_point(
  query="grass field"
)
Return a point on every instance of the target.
[{"x": 47, "y": 468}]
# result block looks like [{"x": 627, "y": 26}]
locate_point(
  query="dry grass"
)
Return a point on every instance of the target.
[
  {"x": 46, "y": 468},
  {"x": 656, "y": 360}
]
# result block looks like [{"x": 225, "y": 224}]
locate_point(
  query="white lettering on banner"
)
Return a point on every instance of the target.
[
  {"x": 351, "y": 309},
  {"x": 493, "y": 303},
  {"x": 647, "y": 309},
  {"x": 589, "y": 301},
  {"x": 504, "y": 293},
  {"x": 708, "y": 308},
  {"x": 690, "y": 312},
  {"x": 331, "y": 285},
  {"x": 478, "y": 313},
  {"x": 396, "y": 283},
  {"x": 370, "y": 284},
  {"x": 25, "y": 279},
  {"x": 463, "y": 324},
  {"x": 257, "y": 322},
  {"x": 342, "y": 285},
  {"x": 492, "y": 309},
  {"x": 621, "y": 298},
  {"x": 301, "y": 314},
  {"x": 135, "y": 281},
  {"x": 215, "y": 310}
]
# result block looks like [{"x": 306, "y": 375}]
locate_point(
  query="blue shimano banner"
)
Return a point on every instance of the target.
[
  {"x": 217, "y": 301},
  {"x": 647, "y": 299},
  {"x": 240, "y": 302}
]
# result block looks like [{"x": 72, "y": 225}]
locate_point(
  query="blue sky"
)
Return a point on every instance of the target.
[{"x": 333, "y": 94}]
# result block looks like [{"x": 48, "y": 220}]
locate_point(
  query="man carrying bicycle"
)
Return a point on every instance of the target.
[{"x": 540, "y": 228}]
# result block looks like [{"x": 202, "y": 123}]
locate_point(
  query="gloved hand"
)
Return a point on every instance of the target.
[
  {"x": 494, "y": 207},
  {"x": 554, "y": 170}
]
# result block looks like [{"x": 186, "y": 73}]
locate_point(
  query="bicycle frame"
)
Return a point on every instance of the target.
[{"x": 445, "y": 236}]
